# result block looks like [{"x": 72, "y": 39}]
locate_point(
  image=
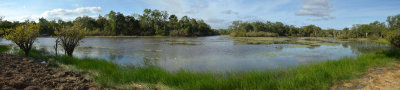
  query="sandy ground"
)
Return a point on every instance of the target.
[{"x": 383, "y": 78}]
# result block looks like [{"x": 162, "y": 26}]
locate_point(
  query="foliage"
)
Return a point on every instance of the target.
[
  {"x": 70, "y": 37},
  {"x": 394, "y": 22},
  {"x": 245, "y": 29},
  {"x": 151, "y": 22},
  {"x": 24, "y": 36},
  {"x": 253, "y": 34},
  {"x": 394, "y": 38}
]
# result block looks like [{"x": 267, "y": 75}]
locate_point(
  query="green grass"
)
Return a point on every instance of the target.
[
  {"x": 4, "y": 48},
  {"x": 319, "y": 75},
  {"x": 382, "y": 41}
]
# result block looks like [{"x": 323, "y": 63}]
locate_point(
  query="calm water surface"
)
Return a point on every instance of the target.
[{"x": 207, "y": 53}]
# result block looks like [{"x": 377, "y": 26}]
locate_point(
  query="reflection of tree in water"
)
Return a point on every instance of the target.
[{"x": 364, "y": 47}]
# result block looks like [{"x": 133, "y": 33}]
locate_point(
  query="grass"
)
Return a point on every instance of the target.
[
  {"x": 3, "y": 48},
  {"x": 319, "y": 75},
  {"x": 382, "y": 41}
]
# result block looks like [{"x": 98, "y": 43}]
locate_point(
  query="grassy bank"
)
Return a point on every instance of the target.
[
  {"x": 3, "y": 48},
  {"x": 319, "y": 75}
]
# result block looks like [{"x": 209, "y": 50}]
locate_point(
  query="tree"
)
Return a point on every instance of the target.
[
  {"x": 111, "y": 21},
  {"x": 120, "y": 24},
  {"x": 394, "y": 38},
  {"x": 24, "y": 36},
  {"x": 70, "y": 37},
  {"x": 394, "y": 22},
  {"x": 87, "y": 22}
]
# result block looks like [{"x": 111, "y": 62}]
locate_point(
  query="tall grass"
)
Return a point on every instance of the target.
[
  {"x": 4, "y": 48},
  {"x": 319, "y": 75}
]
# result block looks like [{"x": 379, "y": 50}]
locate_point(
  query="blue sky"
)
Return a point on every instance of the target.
[{"x": 335, "y": 14}]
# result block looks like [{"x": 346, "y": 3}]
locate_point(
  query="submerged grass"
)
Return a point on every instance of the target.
[
  {"x": 320, "y": 75},
  {"x": 270, "y": 54}
]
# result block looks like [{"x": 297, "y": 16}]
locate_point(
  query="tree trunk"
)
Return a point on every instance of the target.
[
  {"x": 26, "y": 52},
  {"x": 69, "y": 53}
]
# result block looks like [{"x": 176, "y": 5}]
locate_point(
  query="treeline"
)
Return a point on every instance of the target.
[
  {"x": 271, "y": 29},
  {"x": 151, "y": 22}
]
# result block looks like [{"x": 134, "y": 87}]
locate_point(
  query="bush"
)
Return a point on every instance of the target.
[
  {"x": 24, "y": 36},
  {"x": 394, "y": 38},
  {"x": 253, "y": 34},
  {"x": 343, "y": 37},
  {"x": 70, "y": 37}
]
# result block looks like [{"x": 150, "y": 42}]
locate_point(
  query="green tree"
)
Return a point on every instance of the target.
[
  {"x": 24, "y": 36},
  {"x": 394, "y": 22},
  {"x": 120, "y": 24},
  {"x": 394, "y": 38},
  {"x": 70, "y": 37},
  {"x": 111, "y": 21}
]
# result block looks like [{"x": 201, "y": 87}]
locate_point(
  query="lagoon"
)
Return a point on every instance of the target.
[{"x": 215, "y": 53}]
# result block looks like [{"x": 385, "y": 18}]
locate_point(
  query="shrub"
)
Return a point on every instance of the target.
[
  {"x": 70, "y": 37},
  {"x": 394, "y": 38},
  {"x": 253, "y": 34},
  {"x": 24, "y": 36}
]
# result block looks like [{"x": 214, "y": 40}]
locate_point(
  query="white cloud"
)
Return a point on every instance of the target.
[
  {"x": 189, "y": 12},
  {"x": 215, "y": 20},
  {"x": 200, "y": 5},
  {"x": 320, "y": 9},
  {"x": 64, "y": 14},
  {"x": 229, "y": 12}
]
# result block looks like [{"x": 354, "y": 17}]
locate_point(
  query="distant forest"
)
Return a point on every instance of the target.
[
  {"x": 155, "y": 22},
  {"x": 272, "y": 29},
  {"x": 150, "y": 23}
]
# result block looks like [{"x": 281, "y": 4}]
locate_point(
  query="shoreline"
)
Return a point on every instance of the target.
[
  {"x": 319, "y": 75},
  {"x": 27, "y": 73}
]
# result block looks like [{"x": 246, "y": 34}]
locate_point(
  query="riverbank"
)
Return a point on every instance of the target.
[
  {"x": 377, "y": 78},
  {"x": 30, "y": 74},
  {"x": 319, "y": 75}
]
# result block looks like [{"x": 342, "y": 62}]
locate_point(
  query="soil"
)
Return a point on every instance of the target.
[
  {"x": 382, "y": 78},
  {"x": 25, "y": 73}
]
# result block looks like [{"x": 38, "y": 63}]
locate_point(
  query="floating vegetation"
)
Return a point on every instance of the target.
[
  {"x": 294, "y": 46},
  {"x": 150, "y": 50},
  {"x": 183, "y": 42},
  {"x": 270, "y": 54},
  {"x": 303, "y": 41}
]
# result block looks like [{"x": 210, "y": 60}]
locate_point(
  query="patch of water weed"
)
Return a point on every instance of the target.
[{"x": 270, "y": 54}]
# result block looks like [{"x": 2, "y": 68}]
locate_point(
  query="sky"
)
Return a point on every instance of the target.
[{"x": 326, "y": 14}]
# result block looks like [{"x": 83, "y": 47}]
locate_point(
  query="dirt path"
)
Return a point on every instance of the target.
[
  {"x": 22, "y": 73},
  {"x": 385, "y": 78}
]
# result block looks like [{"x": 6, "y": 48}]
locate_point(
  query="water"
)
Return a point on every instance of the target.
[{"x": 213, "y": 53}]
